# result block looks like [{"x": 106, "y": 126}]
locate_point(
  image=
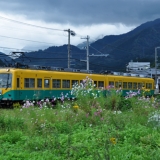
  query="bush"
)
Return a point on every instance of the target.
[{"x": 124, "y": 104}]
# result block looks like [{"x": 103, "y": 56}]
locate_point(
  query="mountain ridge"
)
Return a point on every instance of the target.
[{"x": 137, "y": 45}]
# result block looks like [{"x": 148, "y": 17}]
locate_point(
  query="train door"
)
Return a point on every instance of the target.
[
  {"x": 120, "y": 85},
  {"x": 18, "y": 88},
  {"x": 47, "y": 93},
  {"x": 38, "y": 93},
  {"x": 158, "y": 84},
  {"x": 143, "y": 85}
]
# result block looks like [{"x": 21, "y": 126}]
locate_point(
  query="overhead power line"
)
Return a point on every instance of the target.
[
  {"x": 29, "y": 24},
  {"x": 24, "y": 39},
  {"x": 27, "y": 50},
  {"x": 35, "y": 59},
  {"x": 115, "y": 47},
  {"x": 32, "y": 25},
  {"x": 23, "y": 23}
]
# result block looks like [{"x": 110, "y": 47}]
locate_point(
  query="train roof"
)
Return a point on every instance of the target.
[{"x": 72, "y": 71}]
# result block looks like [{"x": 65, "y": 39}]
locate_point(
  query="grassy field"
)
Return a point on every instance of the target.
[{"x": 91, "y": 128}]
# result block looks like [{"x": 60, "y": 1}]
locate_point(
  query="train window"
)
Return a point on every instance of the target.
[
  {"x": 46, "y": 83},
  {"x": 134, "y": 85},
  {"x": 39, "y": 83},
  {"x": 129, "y": 85},
  {"x": 120, "y": 84},
  {"x": 26, "y": 82},
  {"x": 75, "y": 82},
  {"x": 66, "y": 84},
  {"x": 95, "y": 83},
  {"x": 143, "y": 84},
  {"x": 116, "y": 85},
  {"x": 149, "y": 85},
  {"x": 139, "y": 85},
  {"x": 18, "y": 83},
  {"x": 56, "y": 83},
  {"x": 29, "y": 82},
  {"x": 5, "y": 80},
  {"x": 124, "y": 85},
  {"x": 100, "y": 83},
  {"x": 111, "y": 83}
]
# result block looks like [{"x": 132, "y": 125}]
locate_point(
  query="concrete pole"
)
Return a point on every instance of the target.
[
  {"x": 87, "y": 53},
  {"x": 155, "y": 65},
  {"x": 69, "y": 48}
]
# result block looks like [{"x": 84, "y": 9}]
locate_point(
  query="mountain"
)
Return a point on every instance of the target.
[
  {"x": 137, "y": 45},
  {"x": 54, "y": 56},
  {"x": 4, "y": 59}
]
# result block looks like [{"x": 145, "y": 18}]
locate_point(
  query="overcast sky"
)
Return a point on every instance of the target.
[{"x": 96, "y": 18}]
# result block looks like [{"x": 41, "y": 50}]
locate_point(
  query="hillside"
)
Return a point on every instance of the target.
[
  {"x": 137, "y": 45},
  {"x": 4, "y": 59}
]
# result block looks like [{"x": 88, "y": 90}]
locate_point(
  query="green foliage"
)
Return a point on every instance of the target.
[
  {"x": 124, "y": 104},
  {"x": 113, "y": 99},
  {"x": 10, "y": 123},
  {"x": 11, "y": 137},
  {"x": 17, "y": 105},
  {"x": 64, "y": 134},
  {"x": 93, "y": 127}
]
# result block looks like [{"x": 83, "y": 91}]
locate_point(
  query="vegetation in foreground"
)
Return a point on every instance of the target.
[{"x": 93, "y": 127}]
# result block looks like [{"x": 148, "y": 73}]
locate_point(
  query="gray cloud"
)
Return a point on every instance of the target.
[
  {"x": 85, "y": 12},
  {"x": 95, "y": 18}
]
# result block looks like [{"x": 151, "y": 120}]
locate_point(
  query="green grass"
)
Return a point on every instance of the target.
[
  {"x": 90, "y": 128},
  {"x": 33, "y": 133}
]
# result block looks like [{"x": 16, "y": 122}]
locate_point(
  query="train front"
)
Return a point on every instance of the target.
[{"x": 5, "y": 88}]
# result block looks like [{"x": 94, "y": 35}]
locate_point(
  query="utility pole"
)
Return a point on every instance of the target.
[
  {"x": 87, "y": 57},
  {"x": 72, "y": 33},
  {"x": 156, "y": 64}
]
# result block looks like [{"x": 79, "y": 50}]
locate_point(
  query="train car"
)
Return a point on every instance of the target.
[
  {"x": 18, "y": 84},
  {"x": 129, "y": 83}
]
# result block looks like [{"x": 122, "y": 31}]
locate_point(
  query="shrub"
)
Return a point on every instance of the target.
[{"x": 124, "y": 104}]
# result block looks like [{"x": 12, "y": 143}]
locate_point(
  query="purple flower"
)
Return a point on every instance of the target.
[{"x": 87, "y": 115}]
